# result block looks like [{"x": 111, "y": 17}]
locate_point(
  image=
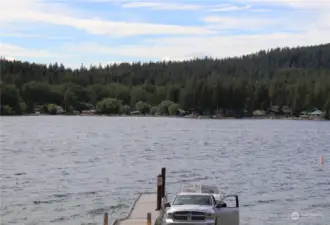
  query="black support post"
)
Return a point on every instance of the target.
[{"x": 164, "y": 181}]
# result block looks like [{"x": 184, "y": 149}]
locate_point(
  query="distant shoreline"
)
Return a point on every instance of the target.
[{"x": 178, "y": 117}]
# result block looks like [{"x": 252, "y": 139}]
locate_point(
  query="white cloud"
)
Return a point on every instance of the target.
[
  {"x": 198, "y": 41},
  {"x": 169, "y": 48},
  {"x": 34, "y": 11},
  {"x": 295, "y": 21},
  {"x": 173, "y": 5},
  {"x": 22, "y": 53},
  {"x": 184, "y": 57},
  {"x": 161, "y": 5},
  {"x": 181, "y": 48},
  {"x": 221, "y": 22},
  {"x": 77, "y": 64},
  {"x": 8, "y": 58},
  {"x": 24, "y": 35},
  {"x": 302, "y": 4},
  {"x": 114, "y": 28},
  {"x": 14, "y": 51},
  {"x": 259, "y": 10},
  {"x": 219, "y": 46},
  {"x": 225, "y": 8}
]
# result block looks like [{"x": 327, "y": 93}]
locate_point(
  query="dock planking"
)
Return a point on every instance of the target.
[
  {"x": 148, "y": 208},
  {"x": 144, "y": 204}
]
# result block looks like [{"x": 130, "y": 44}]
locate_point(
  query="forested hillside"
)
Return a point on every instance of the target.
[{"x": 296, "y": 77}]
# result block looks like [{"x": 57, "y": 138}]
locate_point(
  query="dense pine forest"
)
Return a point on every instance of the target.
[{"x": 298, "y": 78}]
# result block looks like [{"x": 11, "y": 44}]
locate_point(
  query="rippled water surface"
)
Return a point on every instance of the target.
[{"x": 70, "y": 170}]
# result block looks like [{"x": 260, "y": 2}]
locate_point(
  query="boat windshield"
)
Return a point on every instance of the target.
[
  {"x": 191, "y": 188},
  {"x": 192, "y": 200},
  {"x": 199, "y": 189},
  {"x": 210, "y": 189}
]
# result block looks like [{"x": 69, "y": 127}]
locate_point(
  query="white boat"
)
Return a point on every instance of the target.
[{"x": 200, "y": 188}]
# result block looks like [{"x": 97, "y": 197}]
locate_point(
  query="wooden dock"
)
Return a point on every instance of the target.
[
  {"x": 138, "y": 215},
  {"x": 147, "y": 209}
]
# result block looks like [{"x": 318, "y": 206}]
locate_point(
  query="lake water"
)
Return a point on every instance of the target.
[{"x": 70, "y": 170}]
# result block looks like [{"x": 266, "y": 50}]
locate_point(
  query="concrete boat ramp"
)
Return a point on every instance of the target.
[{"x": 147, "y": 209}]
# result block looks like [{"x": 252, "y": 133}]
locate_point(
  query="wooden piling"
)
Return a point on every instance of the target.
[
  {"x": 159, "y": 192},
  {"x": 148, "y": 218},
  {"x": 106, "y": 219}
]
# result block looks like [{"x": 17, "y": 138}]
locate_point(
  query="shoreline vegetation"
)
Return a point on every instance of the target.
[
  {"x": 283, "y": 83},
  {"x": 214, "y": 117}
]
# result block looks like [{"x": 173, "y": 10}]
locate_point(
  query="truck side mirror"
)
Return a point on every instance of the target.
[{"x": 167, "y": 204}]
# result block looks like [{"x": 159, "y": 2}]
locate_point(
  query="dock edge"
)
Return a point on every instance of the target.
[
  {"x": 130, "y": 209},
  {"x": 161, "y": 199}
]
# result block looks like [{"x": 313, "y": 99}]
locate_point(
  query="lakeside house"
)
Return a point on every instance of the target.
[
  {"x": 136, "y": 113},
  {"x": 304, "y": 115},
  {"x": 242, "y": 113},
  {"x": 274, "y": 111},
  {"x": 218, "y": 113},
  {"x": 89, "y": 112},
  {"x": 259, "y": 114},
  {"x": 317, "y": 114},
  {"x": 278, "y": 111},
  {"x": 59, "y": 110},
  {"x": 287, "y": 111},
  {"x": 181, "y": 112},
  {"x": 38, "y": 108},
  {"x": 193, "y": 113}
]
